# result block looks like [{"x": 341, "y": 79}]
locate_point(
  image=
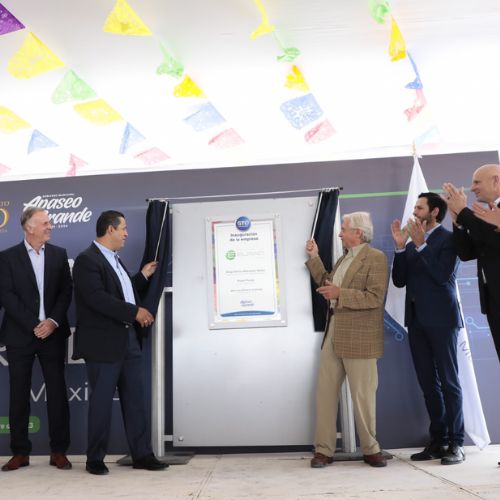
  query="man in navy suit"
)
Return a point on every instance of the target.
[
  {"x": 35, "y": 290},
  {"x": 109, "y": 329},
  {"x": 427, "y": 266}
]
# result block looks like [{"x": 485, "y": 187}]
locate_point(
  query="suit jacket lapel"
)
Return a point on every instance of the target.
[
  {"x": 47, "y": 267},
  {"x": 354, "y": 267},
  {"x": 109, "y": 268},
  {"x": 434, "y": 234},
  {"x": 26, "y": 263}
]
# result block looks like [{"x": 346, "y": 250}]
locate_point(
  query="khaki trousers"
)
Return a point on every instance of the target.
[{"x": 363, "y": 381}]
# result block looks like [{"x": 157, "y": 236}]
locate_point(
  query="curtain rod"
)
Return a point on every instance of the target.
[{"x": 340, "y": 188}]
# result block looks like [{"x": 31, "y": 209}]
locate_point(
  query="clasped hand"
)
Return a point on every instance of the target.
[
  {"x": 144, "y": 317},
  {"x": 44, "y": 329}
]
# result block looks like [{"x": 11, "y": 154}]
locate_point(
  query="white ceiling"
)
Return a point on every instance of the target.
[{"x": 344, "y": 59}]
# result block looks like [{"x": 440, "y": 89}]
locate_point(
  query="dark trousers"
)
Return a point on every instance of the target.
[
  {"x": 493, "y": 316},
  {"x": 434, "y": 353},
  {"x": 126, "y": 375},
  {"x": 50, "y": 354}
]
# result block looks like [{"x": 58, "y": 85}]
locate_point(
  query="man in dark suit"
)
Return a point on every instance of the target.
[
  {"x": 109, "y": 328},
  {"x": 427, "y": 266},
  {"x": 35, "y": 290},
  {"x": 477, "y": 239}
]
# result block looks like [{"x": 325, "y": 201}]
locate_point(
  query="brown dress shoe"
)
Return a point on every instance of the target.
[
  {"x": 16, "y": 461},
  {"x": 60, "y": 461},
  {"x": 319, "y": 460},
  {"x": 375, "y": 460}
]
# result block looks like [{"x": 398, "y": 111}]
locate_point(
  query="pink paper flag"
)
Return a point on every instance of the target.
[
  {"x": 418, "y": 104},
  {"x": 4, "y": 169},
  {"x": 75, "y": 163},
  {"x": 152, "y": 156},
  {"x": 319, "y": 132},
  {"x": 226, "y": 139}
]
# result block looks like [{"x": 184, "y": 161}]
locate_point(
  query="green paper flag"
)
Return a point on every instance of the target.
[
  {"x": 379, "y": 9},
  {"x": 72, "y": 88},
  {"x": 289, "y": 54},
  {"x": 170, "y": 66}
]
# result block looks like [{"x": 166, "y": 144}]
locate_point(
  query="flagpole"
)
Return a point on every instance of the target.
[
  {"x": 244, "y": 195},
  {"x": 161, "y": 230},
  {"x": 315, "y": 222}
]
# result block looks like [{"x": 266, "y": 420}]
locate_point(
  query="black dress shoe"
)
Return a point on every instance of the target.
[
  {"x": 149, "y": 462},
  {"x": 454, "y": 455},
  {"x": 431, "y": 452},
  {"x": 97, "y": 468}
]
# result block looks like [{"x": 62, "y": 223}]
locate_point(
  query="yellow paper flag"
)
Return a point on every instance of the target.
[
  {"x": 32, "y": 59},
  {"x": 122, "y": 20},
  {"x": 296, "y": 81},
  {"x": 397, "y": 45},
  {"x": 264, "y": 27},
  {"x": 187, "y": 88},
  {"x": 98, "y": 112},
  {"x": 10, "y": 122}
]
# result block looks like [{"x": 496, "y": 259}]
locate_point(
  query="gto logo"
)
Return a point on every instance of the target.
[
  {"x": 243, "y": 223},
  {"x": 4, "y": 213}
]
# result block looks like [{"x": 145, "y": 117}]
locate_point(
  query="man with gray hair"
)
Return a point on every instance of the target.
[
  {"x": 35, "y": 290},
  {"x": 354, "y": 336}
]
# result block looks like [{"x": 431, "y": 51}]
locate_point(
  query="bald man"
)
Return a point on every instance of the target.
[{"x": 476, "y": 237}]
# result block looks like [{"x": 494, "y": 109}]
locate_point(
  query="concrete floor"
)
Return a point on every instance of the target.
[{"x": 263, "y": 476}]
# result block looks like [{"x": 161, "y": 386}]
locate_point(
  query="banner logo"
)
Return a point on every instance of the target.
[
  {"x": 4, "y": 214},
  {"x": 64, "y": 209},
  {"x": 243, "y": 223},
  {"x": 33, "y": 425}
]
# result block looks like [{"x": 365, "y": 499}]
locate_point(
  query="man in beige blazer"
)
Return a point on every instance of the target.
[{"x": 354, "y": 336}]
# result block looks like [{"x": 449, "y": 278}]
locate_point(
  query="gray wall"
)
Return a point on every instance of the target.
[{"x": 401, "y": 417}]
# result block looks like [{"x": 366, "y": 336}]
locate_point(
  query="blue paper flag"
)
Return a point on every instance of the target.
[
  {"x": 206, "y": 117},
  {"x": 417, "y": 83},
  {"x": 301, "y": 111},
  {"x": 130, "y": 137},
  {"x": 40, "y": 141}
]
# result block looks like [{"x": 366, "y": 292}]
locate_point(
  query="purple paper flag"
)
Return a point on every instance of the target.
[
  {"x": 8, "y": 22},
  {"x": 301, "y": 111}
]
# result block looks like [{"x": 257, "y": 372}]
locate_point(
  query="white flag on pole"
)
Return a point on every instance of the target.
[{"x": 474, "y": 421}]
